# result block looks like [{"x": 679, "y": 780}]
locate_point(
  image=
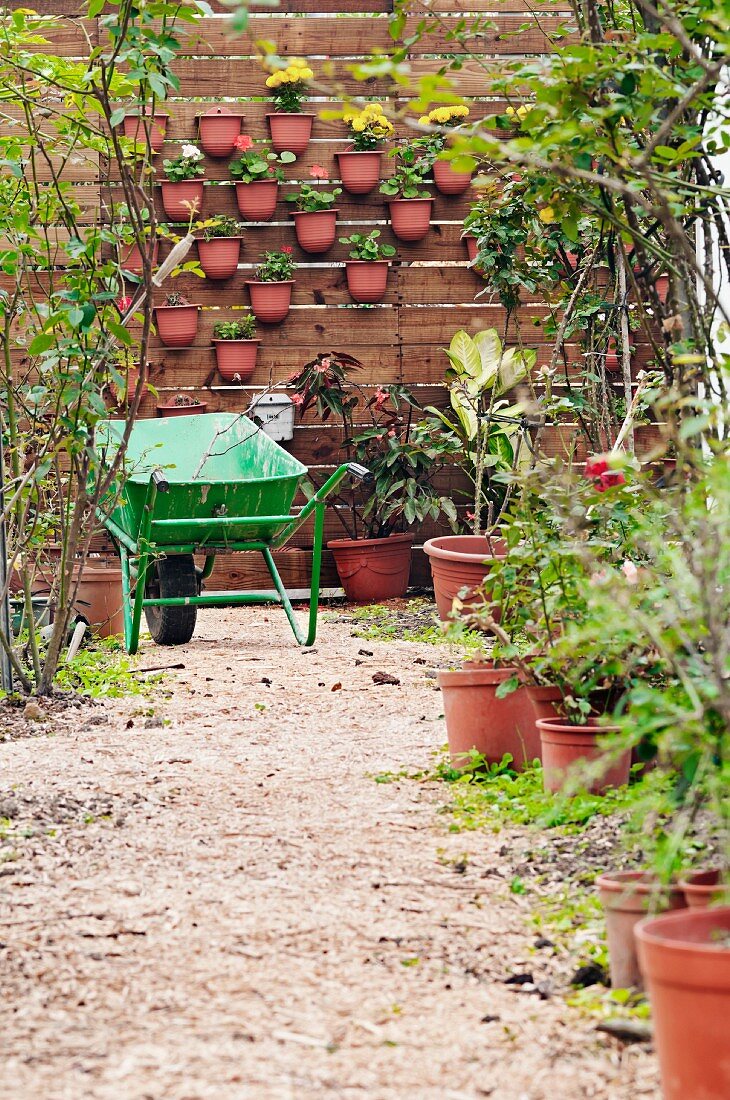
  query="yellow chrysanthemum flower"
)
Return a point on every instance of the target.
[
  {"x": 307, "y": 73},
  {"x": 547, "y": 215}
]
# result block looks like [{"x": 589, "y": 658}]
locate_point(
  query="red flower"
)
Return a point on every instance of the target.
[
  {"x": 601, "y": 470},
  {"x": 243, "y": 142},
  {"x": 317, "y": 172},
  {"x": 596, "y": 466},
  {"x": 287, "y": 249},
  {"x": 123, "y": 304},
  {"x": 610, "y": 481}
]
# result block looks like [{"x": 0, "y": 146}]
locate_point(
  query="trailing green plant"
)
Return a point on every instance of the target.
[
  {"x": 222, "y": 227},
  {"x": 365, "y": 246},
  {"x": 311, "y": 198},
  {"x": 276, "y": 267},
  {"x": 257, "y": 162},
  {"x": 411, "y": 166},
  {"x": 185, "y": 167},
  {"x": 243, "y": 329}
]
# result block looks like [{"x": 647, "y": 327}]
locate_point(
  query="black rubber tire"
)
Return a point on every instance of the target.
[{"x": 167, "y": 577}]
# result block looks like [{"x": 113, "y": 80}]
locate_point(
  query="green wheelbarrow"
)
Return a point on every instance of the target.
[{"x": 200, "y": 485}]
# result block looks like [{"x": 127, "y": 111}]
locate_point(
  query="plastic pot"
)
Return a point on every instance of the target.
[
  {"x": 182, "y": 199},
  {"x": 99, "y": 596},
  {"x": 477, "y": 719},
  {"x": 460, "y": 562},
  {"x": 367, "y": 280},
  {"x": 626, "y": 897},
  {"x": 410, "y": 219},
  {"x": 182, "y": 410},
  {"x": 372, "y": 570},
  {"x": 135, "y": 128},
  {"x": 359, "y": 171},
  {"x": 219, "y": 256},
  {"x": 177, "y": 326},
  {"x": 257, "y": 201},
  {"x": 218, "y": 128},
  {"x": 270, "y": 302},
  {"x": 315, "y": 229},
  {"x": 685, "y": 960},
  {"x": 131, "y": 258},
  {"x": 704, "y": 888},
  {"x": 290, "y": 132},
  {"x": 448, "y": 181},
  {"x": 566, "y": 746},
  {"x": 471, "y": 245},
  {"x": 545, "y": 700},
  {"x": 236, "y": 359}
]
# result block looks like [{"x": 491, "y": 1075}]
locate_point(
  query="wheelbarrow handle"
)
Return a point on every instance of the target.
[
  {"x": 161, "y": 482},
  {"x": 360, "y": 472}
]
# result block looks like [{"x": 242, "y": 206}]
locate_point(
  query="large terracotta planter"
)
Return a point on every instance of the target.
[
  {"x": 367, "y": 280},
  {"x": 477, "y": 719},
  {"x": 257, "y": 201},
  {"x": 270, "y": 302},
  {"x": 219, "y": 127},
  {"x": 626, "y": 897},
  {"x": 315, "y": 229},
  {"x": 177, "y": 326},
  {"x": 183, "y": 199},
  {"x": 99, "y": 596},
  {"x": 545, "y": 700},
  {"x": 219, "y": 257},
  {"x": 410, "y": 219},
  {"x": 290, "y": 132},
  {"x": 372, "y": 570},
  {"x": 236, "y": 359},
  {"x": 359, "y": 171},
  {"x": 685, "y": 960},
  {"x": 460, "y": 562},
  {"x": 131, "y": 258},
  {"x": 566, "y": 746},
  {"x": 182, "y": 410},
  {"x": 448, "y": 181},
  {"x": 135, "y": 127},
  {"x": 704, "y": 888}
]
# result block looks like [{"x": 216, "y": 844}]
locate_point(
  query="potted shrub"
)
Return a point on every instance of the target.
[
  {"x": 258, "y": 172},
  {"x": 146, "y": 127},
  {"x": 236, "y": 348},
  {"x": 403, "y": 456},
  {"x": 177, "y": 321},
  {"x": 367, "y": 268},
  {"x": 182, "y": 404},
  {"x": 360, "y": 163},
  {"x": 291, "y": 128},
  {"x": 219, "y": 248},
  {"x": 315, "y": 219},
  {"x": 409, "y": 202},
  {"x": 182, "y": 192},
  {"x": 218, "y": 129},
  {"x": 448, "y": 180},
  {"x": 483, "y": 425},
  {"x": 271, "y": 290}
]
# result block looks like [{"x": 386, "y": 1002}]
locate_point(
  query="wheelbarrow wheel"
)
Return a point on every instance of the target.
[{"x": 171, "y": 576}]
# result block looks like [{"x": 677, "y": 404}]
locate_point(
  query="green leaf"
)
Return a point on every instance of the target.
[
  {"x": 41, "y": 343},
  {"x": 117, "y": 116}
]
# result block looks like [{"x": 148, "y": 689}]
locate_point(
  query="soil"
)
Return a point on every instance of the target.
[{"x": 207, "y": 896}]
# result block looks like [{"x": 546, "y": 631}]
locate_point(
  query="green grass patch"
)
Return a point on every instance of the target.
[
  {"x": 415, "y": 621},
  {"x": 103, "y": 670}
]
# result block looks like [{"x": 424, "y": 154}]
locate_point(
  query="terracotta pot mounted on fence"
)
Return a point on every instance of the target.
[
  {"x": 367, "y": 280},
  {"x": 257, "y": 200},
  {"x": 270, "y": 302},
  {"x": 477, "y": 719},
  {"x": 372, "y": 570},
  {"x": 410, "y": 218},
  {"x": 181, "y": 405},
  {"x": 359, "y": 170},
  {"x": 219, "y": 127},
  {"x": 448, "y": 181},
  {"x": 566, "y": 746},
  {"x": 136, "y": 127},
  {"x": 290, "y": 132},
  {"x": 459, "y": 562},
  {"x": 315, "y": 229},
  {"x": 236, "y": 359},
  {"x": 626, "y": 897},
  {"x": 182, "y": 199},
  {"x": 219, "y": 256},
  {"x": 177, "y": 326},
  {"x": 131, "y": 258}
]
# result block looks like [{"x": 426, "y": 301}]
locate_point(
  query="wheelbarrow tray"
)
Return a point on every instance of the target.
[{"x": 217, "y": 465}]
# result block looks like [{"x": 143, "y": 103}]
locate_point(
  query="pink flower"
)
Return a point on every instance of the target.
[
  {"x": 287, "y": 249},
  {"x": 470, "y": 516},
  {"x": 630, "y": 571},
  {"x": 297, "y": 399},
  {"x": 381, "y": 396},
  {"x": 243, "y": 142},
  {"x": 391, "y": 433},
  {"x": 317, "y": 172},
  {"x": 326, "y": 362},
  {"x": 322, "y": 367},
  {"x": 123, "y": 303}
]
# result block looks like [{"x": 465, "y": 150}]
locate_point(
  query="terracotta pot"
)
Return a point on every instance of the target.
[
  {"x": 367, "y": 280},
  {"x": 410, "y": 219},
  {"x": 236, "y": 359},
  {"x": 458, "y": 562},
  {"x": 182, "y": 410},
  {"x": 257, "y": 201},
  {"x": 219, "y": 257},
  {"x": 471, "y": 245},
  {"x": 565, "y": 745},
  {"x": 545, "y": 700},
  {"x": 685, "y": 960},
  {"x": 99, "y": 596},
  {"x": 477, "y": 719},
  {"x": 372, "y": 570},
  {"x": 448, "y": 181},
  {"x": 135, "y": 129},
  {"x": 177, "y": 326},
  {"x": 626, "y": 897},
  {"x": 315, "y": 229},
  {"x": 613, "y": 360},
  {"x": 218, "y": 128},
  {"x": 290, "y": 132},
  {"x": 661, "y": 285},
  {"x": 183, "y": 199},
  {"x": 131, "y": 258},
  {"x": 359, "y": 171},
  {"x": 270, "y": 302},
  {"x": 704, "y": 888}
]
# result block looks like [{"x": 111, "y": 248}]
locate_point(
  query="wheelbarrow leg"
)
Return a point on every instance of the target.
[
  {"x": 314, "y": 588},
  {"x": 126, "y": 597},
  {"x": 157, "y": 480}
]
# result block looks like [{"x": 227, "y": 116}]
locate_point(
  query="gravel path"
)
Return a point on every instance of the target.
[{"x": 214, "y": 899}]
